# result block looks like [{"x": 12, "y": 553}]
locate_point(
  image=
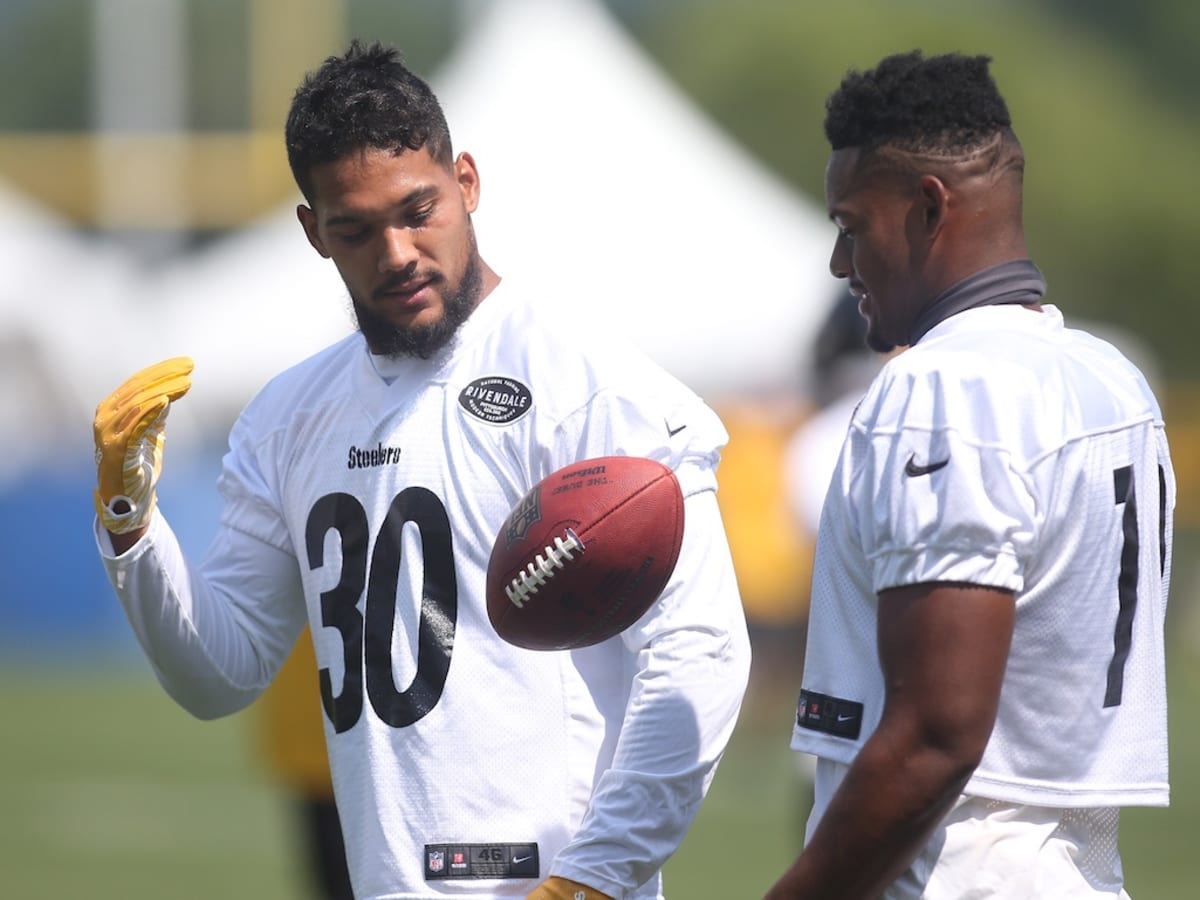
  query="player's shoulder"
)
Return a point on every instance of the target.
[
  {"x": 588, "y": 335},
  {"x": 1005, "y": 370},
  {"x": 978, "y": 340},
  {"x": 1009, "y": 350},
  {"x": 587, "y": 378},
  {"x": 302, "y": 384},
  {"x": 576, "y": 354}
]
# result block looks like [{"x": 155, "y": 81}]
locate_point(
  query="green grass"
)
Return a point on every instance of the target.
[{"x": 110, "y": 791}]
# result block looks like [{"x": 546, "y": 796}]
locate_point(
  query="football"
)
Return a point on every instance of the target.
[{"x": 585, "y": 553}]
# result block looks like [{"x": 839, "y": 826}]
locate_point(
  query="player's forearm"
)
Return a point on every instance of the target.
[
  {"x": 877, "y": 823},
  {"x": 193, "y": 637},
  {"x": 680, "y": 716}
]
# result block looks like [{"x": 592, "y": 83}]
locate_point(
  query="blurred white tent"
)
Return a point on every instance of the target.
[
  {"x": 67, "y": 321},
  {"x": 245, "y": 308},
  {"x": 602, "y": 185},
  {"x": 605, "y": 184}
]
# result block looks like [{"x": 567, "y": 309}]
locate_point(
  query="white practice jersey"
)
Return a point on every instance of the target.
[
  {"x": 1006, "y": 450},
  {"x": 369, "y": 493}
]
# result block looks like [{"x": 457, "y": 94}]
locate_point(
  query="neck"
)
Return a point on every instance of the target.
[{"x": 1018, "y": 281}]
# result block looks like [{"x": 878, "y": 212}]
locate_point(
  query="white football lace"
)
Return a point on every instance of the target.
[{"x": 542, "y": 568}]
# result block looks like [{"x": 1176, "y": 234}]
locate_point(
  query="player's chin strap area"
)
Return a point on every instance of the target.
[{"x": 1019, "y": 281}]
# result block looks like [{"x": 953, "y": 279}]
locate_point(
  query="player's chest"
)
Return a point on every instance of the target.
[{"x": 425, "y": 461}]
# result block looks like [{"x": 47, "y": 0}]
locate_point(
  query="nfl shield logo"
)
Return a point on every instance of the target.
[
  {"x": 437, "y": 860},
  {"x": 527, "y": 511}
]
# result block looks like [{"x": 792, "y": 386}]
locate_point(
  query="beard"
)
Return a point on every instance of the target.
[{"x": 423, "y": 341}]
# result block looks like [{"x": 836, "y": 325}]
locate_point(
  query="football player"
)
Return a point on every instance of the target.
[
  {"x": 984, "y": 681},
  {"x": 363, "y": 490}
]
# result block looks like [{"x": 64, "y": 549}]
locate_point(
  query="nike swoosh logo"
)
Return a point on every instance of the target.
[
  {"x": 912, "y": 470},
  {"x": 842, "y": 718},
  {"x": 521, "y": 859},
  {"x": 671, "y": 432}
]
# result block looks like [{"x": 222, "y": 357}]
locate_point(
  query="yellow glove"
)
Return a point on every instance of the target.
[
  {"x": 128, "y": 430},
  {"x": 555, "y": 888}
]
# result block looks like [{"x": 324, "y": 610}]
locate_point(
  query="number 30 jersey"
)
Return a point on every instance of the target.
[
  {"x": 1006, "y": 450},
  {"x": 364, "y": 495}
]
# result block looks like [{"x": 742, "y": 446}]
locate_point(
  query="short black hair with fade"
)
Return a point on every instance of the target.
[
  {"x": 939, "y": 105},
  {"x": 366, "y": 98}
]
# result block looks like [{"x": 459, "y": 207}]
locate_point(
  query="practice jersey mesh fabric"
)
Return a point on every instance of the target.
[
  {"x": 384, "y": 483},
  {"x": 1036, "y": 462}
]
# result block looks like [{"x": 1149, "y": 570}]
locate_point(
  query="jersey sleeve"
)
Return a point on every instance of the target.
[
  {"x": 215, "y": 634},
  {"x": 669, "y": 424},
  {"x": 248, "y": 483},
  {"x": 934, "y": 501},
  {"x": 688, "y": 656},
  {"x": 216, "y": 631},
  {"x": 691, "y": 657}
]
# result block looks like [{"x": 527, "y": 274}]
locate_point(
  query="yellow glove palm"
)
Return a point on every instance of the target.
[
  {"x": 555, "y": 888},
  {"x": 128, "y": 431}
]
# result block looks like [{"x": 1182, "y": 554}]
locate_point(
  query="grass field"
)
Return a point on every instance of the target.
[{"x": 107, "y": 790}]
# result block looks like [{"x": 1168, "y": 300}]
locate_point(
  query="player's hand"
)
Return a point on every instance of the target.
[
  {"x": 555, "y": 888},
  {"x": 128, "y": 430}
]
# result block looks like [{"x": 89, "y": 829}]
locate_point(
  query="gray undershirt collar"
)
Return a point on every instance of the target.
[{"x": 1019, "y": 281}]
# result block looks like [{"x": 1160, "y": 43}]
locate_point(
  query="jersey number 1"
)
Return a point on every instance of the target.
[
  {"x": 367, "y": 636},
  {"x": 1127, "y": 581}
]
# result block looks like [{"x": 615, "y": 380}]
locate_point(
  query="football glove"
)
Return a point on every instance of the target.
[
  {"x": 555, "y": 888},
  {"x": 128, "y": 430}
]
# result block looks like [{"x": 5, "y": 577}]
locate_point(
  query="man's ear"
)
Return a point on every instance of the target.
[
  {"x": 934, "y": 198},
  {"x": 467, "y": 176},
  {"x": 308, "y": 221}
]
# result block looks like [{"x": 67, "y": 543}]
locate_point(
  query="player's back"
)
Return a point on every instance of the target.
[
  {"x": 1082, "y": 719},
  {"x": 1081, "y": 728},
  {"x": 1009, "y": 451}
]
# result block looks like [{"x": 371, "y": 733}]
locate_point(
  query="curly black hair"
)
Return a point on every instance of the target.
[
  {"x": 366, "y": 98},
  {"x": 940, "y": 105}
]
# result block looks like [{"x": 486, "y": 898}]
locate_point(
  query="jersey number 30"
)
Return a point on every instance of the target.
[{"x": 367, "y": 636}]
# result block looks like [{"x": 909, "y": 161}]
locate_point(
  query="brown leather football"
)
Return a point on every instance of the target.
[{"x": 585, "y": 553}]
